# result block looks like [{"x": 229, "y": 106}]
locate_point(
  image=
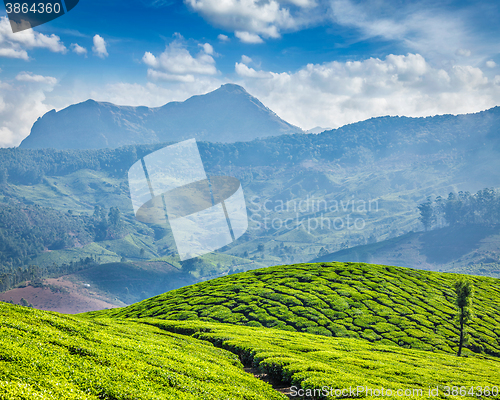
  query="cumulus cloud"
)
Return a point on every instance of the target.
[
  {"x": 14, "y": 45},
  {"x": 177, "y": 64},
  {"x": 338, "y": 93},
  {"x": 78, "y": 49},
  {"x": 207, "y": 48},
  {"x": 99, "y": 47},
  {"x": 253, "y": 18},
  {"x": 13, "y": 53},
  {"x": 246, "y": 60},
  {"x": 247, "y": 72},
  {"x": 247, "y": 37},
  {"x": 21, "y": 103},
  {"x": 223, "y": 38},
  {"x": 29, "y": 77},
  {"x": 434, "y": 29},
  {"x": 491, "y": 64}
]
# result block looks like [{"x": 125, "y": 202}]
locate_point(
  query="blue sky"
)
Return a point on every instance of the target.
[{"x": 313, "y": 62}]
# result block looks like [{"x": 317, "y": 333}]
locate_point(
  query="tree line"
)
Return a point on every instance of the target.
[
  {"x": 11, "y": 276},
  {"x": 462, "y": 209}
]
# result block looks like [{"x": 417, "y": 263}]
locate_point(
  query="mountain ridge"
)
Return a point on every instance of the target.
[{"x": 228, "y": 114}]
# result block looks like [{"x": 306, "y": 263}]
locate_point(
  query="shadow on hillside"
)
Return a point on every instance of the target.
[{"x": 445, "y": 245}]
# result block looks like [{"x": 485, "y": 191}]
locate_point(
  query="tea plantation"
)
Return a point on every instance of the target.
[
  {"x": 394, "y": 329},
  {"x": 46, "y": 355},
  {"x": 387, "y": 305},
  {"x": 314, "y": 361}
]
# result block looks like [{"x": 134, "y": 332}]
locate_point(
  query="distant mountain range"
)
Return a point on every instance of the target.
[
  {"x": 228, "y": 114},
  {"x": 292, "y": 184}
]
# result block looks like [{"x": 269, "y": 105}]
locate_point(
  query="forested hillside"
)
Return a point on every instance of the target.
[{"x": 306, "y": 195}]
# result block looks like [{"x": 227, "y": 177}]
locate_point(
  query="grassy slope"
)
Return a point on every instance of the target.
[
  {"x": 51, "y": 356},
  {"x": 391, "y": 305},
  {"x": 91, "y": 356},
  {"x": 312, "y": 361}
]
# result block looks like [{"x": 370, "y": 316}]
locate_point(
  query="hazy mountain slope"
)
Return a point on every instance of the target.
[
  {"x": 51, "y": 356},
  {"x": 396, "y": 306},
  {"x": 473, "y": 249},
  {"x": 423, "y": 135},
  {"x": 389, "y": 161},
  {"x": 228, "y": 114}
]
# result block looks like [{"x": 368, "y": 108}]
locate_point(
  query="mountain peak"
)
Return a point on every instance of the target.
[
  {"x": 232, "y": 88},
  {"x": 228, "y": 114}
]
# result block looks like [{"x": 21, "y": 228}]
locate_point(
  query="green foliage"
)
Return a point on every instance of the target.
[
  {"x": 27, "y": 230},
  {"x": 482, "y": 208},
  {"x": 50, "y": 356},
  {"x": 107, "y": 225},
  {"x": 406, "y": 307},
  {"x": 313, "y": 361},
  {"x": 464, "y": 292}
]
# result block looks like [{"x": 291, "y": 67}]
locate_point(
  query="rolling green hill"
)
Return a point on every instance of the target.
[
  {"x": 51, "y": 356},
  {"x": 388, "y": 305},
  {"x": 314, "y": 363}
]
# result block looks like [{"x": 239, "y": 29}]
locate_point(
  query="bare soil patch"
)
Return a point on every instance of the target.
[{"x": 65, "y": 296}]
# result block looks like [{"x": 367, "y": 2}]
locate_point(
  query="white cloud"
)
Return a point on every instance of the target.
[
  {"x": 207, "y": 48},
  {"x": 150, "y": 59},
  {"x": 247, "y": 72},
  {"x": 223, "y": 38},
  {"x": 177, "y": 64},
  {"x": 428, "y": 28},
  {"x": 258, "y": 18},
  {"x": 78, "y": 49},
  {"x": 247, "y": 37},
  {"x": 491, "y": 64},
  {"x": 14, "y": 45},
  {"x": 152, "y": 94},
  {"x": 246, "y": 60},
  {"x": 29, "y": 77},
  {"x": 338, "y": 93},
  {"x": 99, "y": 47},
  {"x": 21, "y": 104},
  {"x": 463, "y": 52},
  {"x": 164, "y": 76},
  {"x": 13, "y": 53}
]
